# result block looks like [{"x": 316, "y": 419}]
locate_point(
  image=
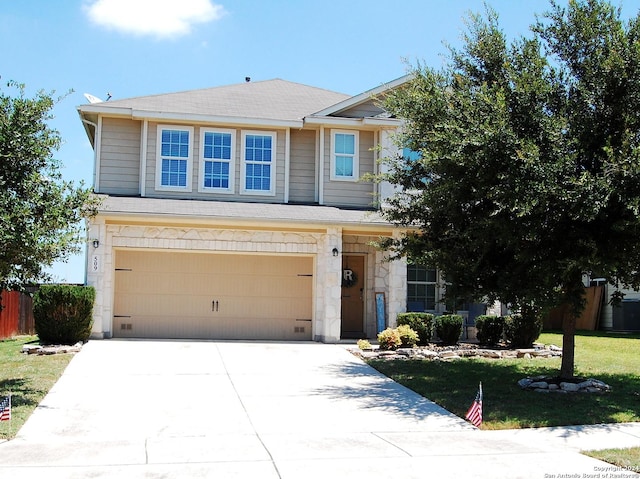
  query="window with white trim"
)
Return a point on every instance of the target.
[
  {"x": 217, "y": 153},
  {"x": 258, "y": 163},
  {"x": 344, "y": 155},
  {"x": 421, "y": 288},
  {"x": 174, "y": 158}
]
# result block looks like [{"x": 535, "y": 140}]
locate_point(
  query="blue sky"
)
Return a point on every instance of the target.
[{"x": 141, "y": 47}]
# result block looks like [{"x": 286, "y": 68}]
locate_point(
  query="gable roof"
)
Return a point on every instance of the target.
[
  {"x": 365, "y": 97},
  {"x": 276, "y": 99}
]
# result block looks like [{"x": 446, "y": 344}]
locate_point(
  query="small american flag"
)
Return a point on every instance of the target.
[
  {"x": 5, "y": 409},
  {"x": 474, "y": 414}
]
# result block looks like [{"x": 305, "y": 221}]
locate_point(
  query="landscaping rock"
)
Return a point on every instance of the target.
[
  {"x": 570, "y": 387},
  {"x": 539, "y": 385},
  {"x": 557, "y": 385}
]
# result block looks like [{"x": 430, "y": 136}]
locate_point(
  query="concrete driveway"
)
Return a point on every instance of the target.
[{"x": 261, "y": 410}]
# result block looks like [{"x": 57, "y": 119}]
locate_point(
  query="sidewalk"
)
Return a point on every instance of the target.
[{"x": 143, "y": 409}]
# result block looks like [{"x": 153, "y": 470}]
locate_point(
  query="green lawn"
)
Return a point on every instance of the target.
[
  {"x": 28, "y": 378},
  {"x": 624, "y": 458},
  {"x": 614, "y": 359}
]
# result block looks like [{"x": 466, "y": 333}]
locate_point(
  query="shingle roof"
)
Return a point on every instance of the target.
[
  {"x": 237, "y": 211},
  {"x": 270, "y": 99}
]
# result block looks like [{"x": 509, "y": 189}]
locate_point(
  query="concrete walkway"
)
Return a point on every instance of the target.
[{"x": 130, "y": 409}]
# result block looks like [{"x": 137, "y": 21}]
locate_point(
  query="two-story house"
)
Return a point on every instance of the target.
[{"x": 238, "y": 212}]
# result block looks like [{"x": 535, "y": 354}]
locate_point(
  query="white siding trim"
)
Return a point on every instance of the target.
[
  {"x": 189, "y": 159},
  {"x": 98, "y": 145},
  {"x": 143, "y": 157},
  {"x": 317, "y": 168},
  {"x": 232, "y": 163},
  {"x": 321, "y": 168},
  {"x": 287, "y": 163}
]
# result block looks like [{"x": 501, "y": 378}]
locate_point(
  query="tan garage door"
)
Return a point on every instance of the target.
[{"x": 212, "y": 296}]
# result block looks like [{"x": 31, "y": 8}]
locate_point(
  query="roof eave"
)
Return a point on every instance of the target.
[{"x": 363, "y": 97}]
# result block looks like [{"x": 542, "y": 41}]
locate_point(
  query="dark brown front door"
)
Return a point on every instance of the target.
[{"x": 352, "y": 297}]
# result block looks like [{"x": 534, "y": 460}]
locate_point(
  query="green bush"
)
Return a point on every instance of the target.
[
  {"x": 421, "y": 323},
  {"x": 449, "y": 328},
  {"x": 408, "y": 337},
  {"x": 364, "y": 344},
  {"x": 63, "y": 314},
  {"x": 389, "y": 339},
  {"x": 490, "y": 329},
  {"x": 522, "y": 330}
]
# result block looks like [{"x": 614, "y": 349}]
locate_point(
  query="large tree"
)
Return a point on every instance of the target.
[
  {"x": 40, "y": 214},
  {"x": 528, "y": 176}
]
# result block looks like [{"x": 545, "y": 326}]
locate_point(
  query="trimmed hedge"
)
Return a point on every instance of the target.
[
  {"x": 63, "y": 314},
  {"x": 449, "y": 328},
  {"x": 421, "y": 323},
  {"x": 521, "y": 331},
  {"x": 490, "y": 329}
]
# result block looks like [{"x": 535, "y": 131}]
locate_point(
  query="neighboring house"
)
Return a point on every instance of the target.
[{"x": 238, "y": 212}]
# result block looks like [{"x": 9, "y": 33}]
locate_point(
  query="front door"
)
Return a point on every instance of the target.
[{"x": 352, "y": 297}]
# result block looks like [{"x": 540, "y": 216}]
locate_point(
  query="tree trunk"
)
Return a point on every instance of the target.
[{"x": 568, "y": 346}]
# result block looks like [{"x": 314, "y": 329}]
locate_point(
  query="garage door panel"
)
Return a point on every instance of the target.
[{"x": 193, "y": 295}]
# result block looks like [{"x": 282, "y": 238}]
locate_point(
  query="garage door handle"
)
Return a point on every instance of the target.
[{"x": 214, "y": 305}]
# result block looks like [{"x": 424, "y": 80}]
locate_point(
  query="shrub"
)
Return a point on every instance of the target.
[
  {"x": 490, "y": 329},
  {"x": 421, "y": 323},
  {"x": 522, "y": 330},
  {"x": 389, "y": 339},
  {"x": 449, "y": 328},
  {"x": 364, "y": 344},
  {"x": 408, "y": 337},
  {"x": 63, "y": 314}
]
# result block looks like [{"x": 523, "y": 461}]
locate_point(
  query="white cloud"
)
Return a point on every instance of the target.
[{"x": 160, "y": 18}]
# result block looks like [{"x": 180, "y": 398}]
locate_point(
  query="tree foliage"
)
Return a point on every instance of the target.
[
  {"x": 40, "y": 214},
  {"x": 529, "y": 168}
]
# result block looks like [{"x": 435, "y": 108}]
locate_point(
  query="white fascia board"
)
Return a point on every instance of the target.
[
  {"x": 332, "y": 120},
  {"x": 187, "y": 117},
  {"x": 223, "y": 120},
  {"x": 111, "y": 111},
  {"x": 392, "y": 122},
  {"x": 363, "y": 97}
]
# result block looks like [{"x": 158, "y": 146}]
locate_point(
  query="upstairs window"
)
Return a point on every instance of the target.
[
  {"x": 173, "y": 169},
  {"x": 217, "y": 160},
  {"x": 258, "y": 163},
  {"x": 344, "y": 155},
  {"x": 421, "y": 288}
]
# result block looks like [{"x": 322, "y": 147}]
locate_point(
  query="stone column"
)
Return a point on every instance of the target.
[
  {"x": 328, "y": 287},
  {"x": 397, "y": 295},
  {"x": 95, "y": 271}
]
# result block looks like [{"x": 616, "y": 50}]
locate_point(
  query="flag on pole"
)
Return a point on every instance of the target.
[
  {"x": 5, "y": 409},
  {"x": 474, "y": 414}
]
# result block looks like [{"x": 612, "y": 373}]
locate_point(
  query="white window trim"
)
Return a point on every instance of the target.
[
  {"x": 243, "y": 161},
  {"x": 356, "y": 156},
  {"x": 232, "y": 163},
  {"x": 189, "y": 185}
]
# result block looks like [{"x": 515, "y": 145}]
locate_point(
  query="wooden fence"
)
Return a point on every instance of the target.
[{"x": 16, "y": 315}]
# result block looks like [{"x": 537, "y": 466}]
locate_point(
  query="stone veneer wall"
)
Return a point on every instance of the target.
[{"x": 381, "y": 275}]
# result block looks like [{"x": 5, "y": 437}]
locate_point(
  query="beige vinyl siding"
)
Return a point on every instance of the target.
[
  {"x": 302, "y": 175},
  {"x": 364, "y": 110},
  {"x": 212, "y": 296},
  {"x": 350, "y": 193},
  {"x": 120, "y": 157},
  {"x": 150, "y": 179}
]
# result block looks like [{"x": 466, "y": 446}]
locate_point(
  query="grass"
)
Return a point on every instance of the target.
[
  {"x": 28, "y": 378},
  {"x": 628, "y": 459},
  {"x": 612, "y": 358}
]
